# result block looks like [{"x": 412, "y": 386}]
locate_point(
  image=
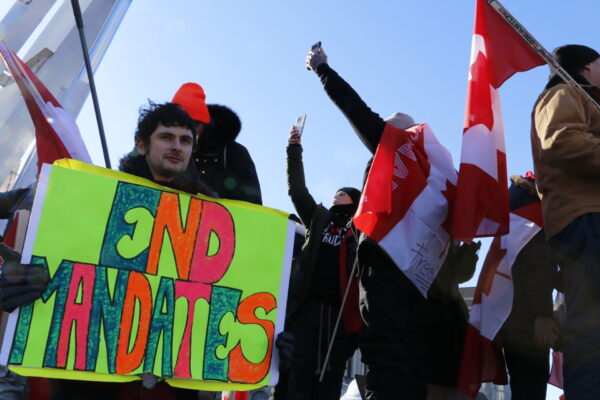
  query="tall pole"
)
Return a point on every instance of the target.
[
  {"x": 90, "y": 74},
  {"x": 542, "y": 52},
  {"x": 337, "y": 322}
]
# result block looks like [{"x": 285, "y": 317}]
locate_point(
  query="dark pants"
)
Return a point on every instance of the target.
[
  {"x": 79, "y": 390},
  {"x": 578, "y": 246},
  {"x": 312, "y": 328},
  {"x": 443, "y": 324},
  {"x": 391, "y": 345},
  {"x": 528, "y": 366}
]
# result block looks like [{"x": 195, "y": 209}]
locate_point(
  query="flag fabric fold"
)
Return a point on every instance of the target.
[
  {"x": 556, "y": 373},
  {"x": 482, "y": 359},
  {"x": 56, "y": 132},
  {"x": 497, "y": 52},
  {"x": 405, "y": 203}
]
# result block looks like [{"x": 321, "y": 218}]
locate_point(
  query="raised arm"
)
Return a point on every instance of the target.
[
  {"x": 303, "y": 201},
  {"x": 367, "y": 124}
]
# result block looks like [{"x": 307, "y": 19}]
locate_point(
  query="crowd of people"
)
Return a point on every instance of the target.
[{"x": 412, "y": 345}]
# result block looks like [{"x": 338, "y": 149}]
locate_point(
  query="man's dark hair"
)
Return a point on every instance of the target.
[{"x": 167, "y": 114}]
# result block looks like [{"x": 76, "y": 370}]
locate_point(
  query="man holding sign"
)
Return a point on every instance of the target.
[
  {"x": 164, "y": 141},
  {"x": 145, "y": 280}
]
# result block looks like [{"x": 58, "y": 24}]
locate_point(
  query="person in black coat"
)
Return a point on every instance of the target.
[
  {"x": 224, "y": 164},
  {"x": 392, "y": 345},
  {"x": 317, "y": 287}
]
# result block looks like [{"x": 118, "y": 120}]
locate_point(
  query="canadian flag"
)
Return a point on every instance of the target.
[
  {"x": 405, "y": 203},
  {"x": 497, "y": 52},
  {"x": 56, "y": 132},
  {"x": 482, "y": 359}
]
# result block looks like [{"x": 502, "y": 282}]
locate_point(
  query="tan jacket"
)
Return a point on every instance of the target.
[{"x": 565, "y": 142}]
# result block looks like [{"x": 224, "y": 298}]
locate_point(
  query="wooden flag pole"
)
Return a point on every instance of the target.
[{"x": 542, "y": 52}]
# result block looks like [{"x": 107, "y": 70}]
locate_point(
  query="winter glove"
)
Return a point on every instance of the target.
[
  {"x": 545, "y": 331},
  {"x": 314, "y": 60},
  {"x": 19, "y": 283},
  {"x": 149, "y": 381},
  {"x": 466, "y": 260},
  {"x": 285, "y": 345}
]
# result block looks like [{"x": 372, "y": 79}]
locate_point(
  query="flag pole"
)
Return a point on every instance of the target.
[
  {"x": 542, "y": 52},
  {"x": 337, "y": 322},
  {"x": 90, "y": 74}
]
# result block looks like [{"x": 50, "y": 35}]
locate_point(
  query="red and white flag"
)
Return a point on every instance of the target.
[
  {"x": 56, "y": 132},
  {"x": 405, "y": 203},
  {"x": 482, "y": 359},
  {"x": 497, "y": 52},
  {"x": 556, "y": 373}
]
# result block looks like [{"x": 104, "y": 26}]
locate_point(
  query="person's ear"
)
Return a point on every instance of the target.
[
  {"x": 587, "y": 68},
  {"x": 140, "y": 146}
]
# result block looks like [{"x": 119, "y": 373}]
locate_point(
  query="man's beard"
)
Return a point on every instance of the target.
[{"x": 169, "y": 172}]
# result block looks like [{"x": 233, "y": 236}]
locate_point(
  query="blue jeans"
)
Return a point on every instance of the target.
[{"x": 578, "y": 247}]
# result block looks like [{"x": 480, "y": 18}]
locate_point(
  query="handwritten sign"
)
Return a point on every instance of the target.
[{"x": 149, "y": 280}]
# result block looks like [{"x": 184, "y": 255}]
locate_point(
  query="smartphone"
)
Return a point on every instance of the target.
[
  {"x": 316, "y": 47},
  {"x": 299, "y": 124}
]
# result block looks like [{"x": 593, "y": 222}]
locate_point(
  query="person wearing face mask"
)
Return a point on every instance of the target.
[{"x": 318, "y": 284}]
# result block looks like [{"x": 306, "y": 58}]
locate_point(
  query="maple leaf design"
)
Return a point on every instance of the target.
[{"x": 400, "y": 170}]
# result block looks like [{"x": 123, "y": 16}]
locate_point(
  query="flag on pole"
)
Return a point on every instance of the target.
[
  {"x": 497, "y": 52},
  {"x": 56, "y": 132},
  {"x": 406, "y": 201},
  {"x": 482, "y": 359}
]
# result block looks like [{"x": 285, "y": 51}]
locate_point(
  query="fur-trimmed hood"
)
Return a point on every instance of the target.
[
  {"x": 522, "y": 191},
  {"x": 224, "y": 127}
]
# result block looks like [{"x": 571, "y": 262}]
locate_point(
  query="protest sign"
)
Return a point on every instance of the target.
[{"x": 145, "y": 279}]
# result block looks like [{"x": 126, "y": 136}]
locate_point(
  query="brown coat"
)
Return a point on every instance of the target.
[{"x": 565, "y": 142}]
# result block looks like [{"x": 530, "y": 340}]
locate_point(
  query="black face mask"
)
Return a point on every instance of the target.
[{"x": 340, "y": 214}]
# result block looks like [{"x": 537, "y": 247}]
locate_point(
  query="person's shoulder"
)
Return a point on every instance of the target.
[
  {"x": 561, "y": 92},
  {"x": 237, "y": 149},
  {"x": 561, "y": 88}
]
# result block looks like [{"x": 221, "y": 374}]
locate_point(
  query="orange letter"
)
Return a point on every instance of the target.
[
  {"x": 138, "y": 289},
  {"x": 240, "y": 369},
  {"x": 168, "y": 218}
]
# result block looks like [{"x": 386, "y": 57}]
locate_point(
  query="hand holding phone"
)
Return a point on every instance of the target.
[
  {"x": 316, "y": 57},
  {"x": 297, "y": 128},
  {"x": 299, "y": 124},
  {"x": 316, "y": 48}
]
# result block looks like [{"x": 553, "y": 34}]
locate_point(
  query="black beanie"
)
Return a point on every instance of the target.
[
  {"x": 573, "y": 58},
  {"x": 352, "y": 192}
]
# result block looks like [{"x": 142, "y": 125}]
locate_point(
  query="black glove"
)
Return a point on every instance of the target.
[
  {"x": 285, "y": 345},
  {"x": 466, "y": 260},
  {"x": 19, "y": 283}
]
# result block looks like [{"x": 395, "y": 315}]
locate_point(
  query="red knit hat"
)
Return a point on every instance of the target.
[{"x": 191, "y": 98}]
